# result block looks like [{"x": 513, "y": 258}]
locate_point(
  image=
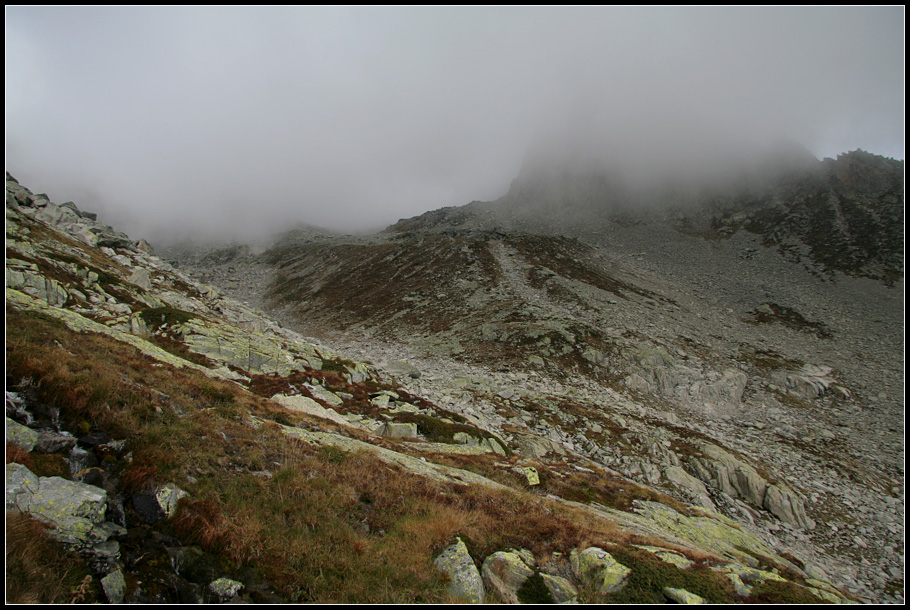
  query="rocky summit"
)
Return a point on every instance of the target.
[{"x": 584, "y": 391}]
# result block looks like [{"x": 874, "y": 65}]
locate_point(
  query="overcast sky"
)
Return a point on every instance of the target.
[{"x": 252, "y": 119}]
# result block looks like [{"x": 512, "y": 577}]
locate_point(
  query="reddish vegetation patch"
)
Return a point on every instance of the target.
[{"x": 571, "y": 259}]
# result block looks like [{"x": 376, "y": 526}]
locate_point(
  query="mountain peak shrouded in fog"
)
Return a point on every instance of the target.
[{"x": 242, "y": 120}]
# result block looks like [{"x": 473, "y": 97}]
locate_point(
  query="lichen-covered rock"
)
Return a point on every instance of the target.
[
  {"x": 597, "y": 567},
  {"x": 22, "y": 436},
  {"x": 561, "y": 590},
  {"x": 21, "y": 485},
  {"x": 167, "y": 497},
  {"x": 324, "y": 395},
  {"x": 252, "y": 351},
  {"x": 114, "y": 586},
  {"x": 681, "y": 596},
  {"x": 504, "y": 573},
  {"x": 671, "y": 557},
  {"x": 73, "y": 508},
  {"x": 530, "y": 473},
  {"x": 225, "y": 588},
  {"x": 465, "y": 582}
]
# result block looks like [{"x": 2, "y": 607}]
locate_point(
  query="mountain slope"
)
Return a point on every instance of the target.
[
  {"x": 221, "y": 456},
  {"x": 757, "y": 325}
]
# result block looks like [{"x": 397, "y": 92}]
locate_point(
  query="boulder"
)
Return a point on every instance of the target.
[
  {"x": 403, "y": 369},
  {"x": 22, "y": 436},
  {"x": 74, "y": 509},
  {"x": 681, "y": 596},
  {"x": 320, "y": 393},
  {"x": 141, "y": 278},
  {"x": 225, "y": 588},
  {"x": 398, "y": 429},
  {"x": 114, "y": 586},
  {"x": 504, "y": 573},
  {"x": 21, "y": 485},
  {"x": 307, "y": 405},
  {"x": 465, "y": 582},
  {"x": 787, "y": 506},
  {"x": 530, "y": 473},
  {"x": 595, "y": 566},
  {"x": 561, "y": 590}
]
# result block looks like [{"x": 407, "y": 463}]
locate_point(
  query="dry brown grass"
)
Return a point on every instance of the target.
[
  {"x": 328, "y": 526},
  {"x": 39, "y": 570}
]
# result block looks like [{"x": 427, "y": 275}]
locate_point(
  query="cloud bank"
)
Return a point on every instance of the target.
[{"x": 247, "y": 120}]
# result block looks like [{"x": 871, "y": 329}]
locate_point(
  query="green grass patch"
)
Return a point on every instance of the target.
[{"x": 650, "y": 575}]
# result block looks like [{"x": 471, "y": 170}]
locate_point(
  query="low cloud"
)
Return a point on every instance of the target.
[{"x": 248, "y": 120}]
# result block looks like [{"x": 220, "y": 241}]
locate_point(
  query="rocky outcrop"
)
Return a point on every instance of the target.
[
  {"x": 656, "y": 371},
  {"x": 735, "y": 478}
]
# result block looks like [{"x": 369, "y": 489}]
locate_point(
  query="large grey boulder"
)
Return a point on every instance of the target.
[
  {"x": 504, "y": 573},
  {"x": 465, "y": 582},
  {"x": 76, "y": 510},
  {"x": 594, "y": 566},
  {"x": 307, "y": 405}
]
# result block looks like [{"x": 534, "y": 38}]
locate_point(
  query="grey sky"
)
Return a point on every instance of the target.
[{"x": 203, "y": 119}]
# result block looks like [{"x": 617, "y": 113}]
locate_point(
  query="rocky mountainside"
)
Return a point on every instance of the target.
[
  {"x": 740, "y": 349},
  {"x": 498, "y": 407}
]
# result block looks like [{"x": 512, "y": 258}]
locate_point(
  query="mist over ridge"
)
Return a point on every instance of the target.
[{"x": 239, "y": 121}]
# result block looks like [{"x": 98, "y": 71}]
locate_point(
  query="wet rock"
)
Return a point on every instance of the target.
[
  {"x": 53, "y": 442},
  {"x": 146, "y": 505}
]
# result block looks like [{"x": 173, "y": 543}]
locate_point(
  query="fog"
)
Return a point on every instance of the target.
[{"x": 242, "y": 121}]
